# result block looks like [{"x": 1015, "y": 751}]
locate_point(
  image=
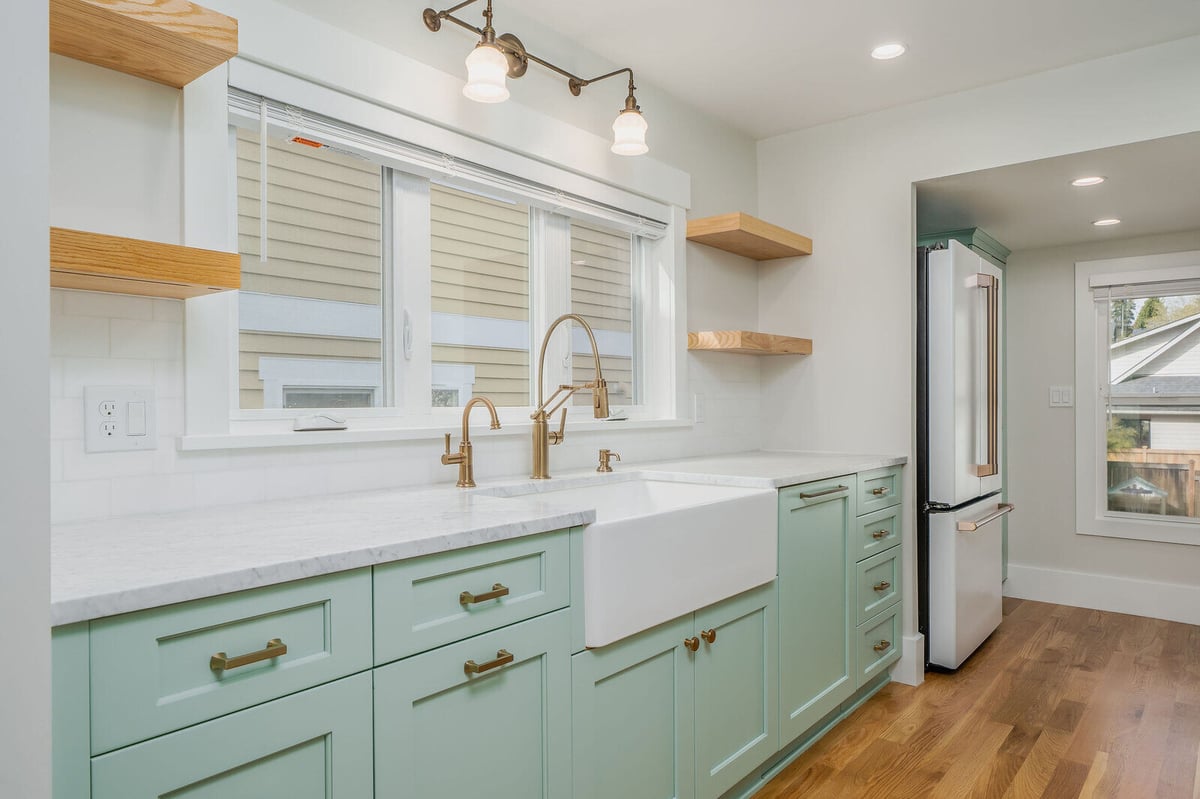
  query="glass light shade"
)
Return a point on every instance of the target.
[
  {"x": 486, "y": 70},
  {"x": 629, "y": 133}
]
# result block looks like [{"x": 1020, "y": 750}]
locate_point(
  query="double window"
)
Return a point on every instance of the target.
[
  {"x": 1138, "y": 363},
  {"x": 381, "y": 280}
]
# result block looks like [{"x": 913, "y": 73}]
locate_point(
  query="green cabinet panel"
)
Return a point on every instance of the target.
[
  {"x": 440, "y": 731},
  {"x": 632, "y": 724},
  {"x": 878, "y": 645},
  {"x": 816, "y": 576},
  {"x": 880, "y": 530},
  {"x": 737, "y": 708},
  {"x": 70, "y": 705},
  {"x": 312, "y": 745},
  {"x": 418, "y": 602},
  {"x": 879, "y": 488},
  {"x": 151, "y": 670}
]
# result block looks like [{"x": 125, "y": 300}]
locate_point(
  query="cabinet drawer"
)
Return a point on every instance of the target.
[
  {"x": 153, "y": 671},
  {"x": 879, "y": 531},
  {"x": 878, "y": 644},
  {"x": 803, "y": 496},
  {"x": 424, "y": 603},
  {"x": 878, "y": 583},
  {"x": 878, "y": 488},
  {"x": 291, "y": 747}
]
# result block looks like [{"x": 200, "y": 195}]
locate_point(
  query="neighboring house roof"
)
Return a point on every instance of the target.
[
  {"x": 1157, "y": 384},
  {"x": 1180, "y": 329}
]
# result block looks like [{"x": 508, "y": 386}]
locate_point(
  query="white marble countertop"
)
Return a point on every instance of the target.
[{"x": 113, "y": 566}]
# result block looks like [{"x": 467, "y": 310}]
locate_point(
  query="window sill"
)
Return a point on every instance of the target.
[
  {"x": 316, "y": 438},
  {"x": 1159, "y": 532}
]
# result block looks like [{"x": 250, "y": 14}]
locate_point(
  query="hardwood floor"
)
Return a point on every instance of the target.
[{"x": 1060, "y": 703}]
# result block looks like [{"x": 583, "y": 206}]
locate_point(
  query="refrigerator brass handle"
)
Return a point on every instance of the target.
[
  {"x": 503, "y": 657},
  {"x": 467, "y": 598},
  {"x": 222, "y": 662},
  {"x": 882, "y": 585},
  {"x": 991, "y": 284},
  {"x": 882, "y": 646},
  {"x": 972, "y": 526},
  {"x": 878, "y": 534},
  {"x": 824, "y": 493}
]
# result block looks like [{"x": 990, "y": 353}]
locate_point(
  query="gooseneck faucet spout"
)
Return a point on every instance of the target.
[
  {"x": 542, "y": 436},
  {"x": 464, "y": 457}
]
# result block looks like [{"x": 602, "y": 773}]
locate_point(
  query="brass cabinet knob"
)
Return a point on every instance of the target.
[
  {"x": 878, "y": 534},
  {"x": 882, "y": 646},
  {"x": 692, "y": 643},
  {"x": 882, "y": 585},
  {"x": 709, "y": 635}
]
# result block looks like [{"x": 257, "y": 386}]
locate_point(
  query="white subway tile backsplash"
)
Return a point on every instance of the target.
[
  {"x": 76, "y": 336},
  {"x": 113, "y": 306},
  {"x": 66, "y": 419},
  {"x": 133, "y": 338},
  {"x": 168, "y": 379},
  {"x": 230, "y": 487},
  {"x": 56, "y": 377},
  {"x": 77, "y": 501},
  {"x": 159, "y": 493},
  {"x": 168, "y": 310},
  {"x": 80, "y": 372},
  {"x": 81, "y": 465},
  {"x": 56, "y": 461}
]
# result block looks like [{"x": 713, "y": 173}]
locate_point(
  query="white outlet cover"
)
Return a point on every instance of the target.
[{"x": 106, "y": 412}]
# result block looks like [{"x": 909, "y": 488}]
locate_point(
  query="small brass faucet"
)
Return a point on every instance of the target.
[
  {"x": 542, "y": 436},
  {"x": 466, "y": 467}
]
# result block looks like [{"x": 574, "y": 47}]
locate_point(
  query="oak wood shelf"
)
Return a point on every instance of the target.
[
  {"x": 166, "y": 41},
  {"x": 747, "y": 342},
  {"x": 745, "y": 235},
  {"x": 98, "y": 262}
]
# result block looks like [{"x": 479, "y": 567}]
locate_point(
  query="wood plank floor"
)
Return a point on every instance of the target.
[{"x": 1060, "y": 702}]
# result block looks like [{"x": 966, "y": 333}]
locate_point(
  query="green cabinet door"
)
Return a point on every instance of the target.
[
  {"x": 502, "y": 732},
  {"x": 737, "y": 709},
  {"x": 315, "y": 744},
  {"x": 633, "y": 717},
  {"x": 816, "y": 665}
]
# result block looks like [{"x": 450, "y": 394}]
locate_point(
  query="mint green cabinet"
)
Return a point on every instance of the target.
[
  {"x": 503, "y": 731},
  {"x": 816, "y": 671},
  {"x": 315, "y": 744},
  {"x": 737, "y": 710},
  {"x": 655, "y": 719},
  {"x": 633, "y": 717}
]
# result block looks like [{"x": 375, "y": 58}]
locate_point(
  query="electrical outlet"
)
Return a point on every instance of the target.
[{"x": 119, "y": 418}]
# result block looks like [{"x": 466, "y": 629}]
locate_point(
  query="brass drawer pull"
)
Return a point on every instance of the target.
[
  {"x": 692, "y": 643},
  {"x": 882, "y": 585},
  {"x": 467, "y": 598},
  {"x": 503, "y": 657},
  {"x": 824, "y": 493},
  {"x": 878, "y": 534},
  {"x": 709, "y": 635},
  {"x": 883, "y": 646},
  {"x": 222, "y": 662},
  {"x": 879, "y": 492}
]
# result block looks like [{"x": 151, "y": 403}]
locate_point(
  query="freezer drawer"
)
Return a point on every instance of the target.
[{"x": 965, "y": 601}]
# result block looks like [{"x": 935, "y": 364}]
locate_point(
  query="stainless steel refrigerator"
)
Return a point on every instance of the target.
[{"x": 960, "y": 427}]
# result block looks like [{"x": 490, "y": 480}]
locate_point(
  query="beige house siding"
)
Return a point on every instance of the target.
[{"x": 601, "y": 292}]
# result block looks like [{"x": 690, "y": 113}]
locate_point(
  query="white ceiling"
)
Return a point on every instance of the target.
[
  {"x": 1152, "y": 187},
  {"x": 772, "y": 66}
]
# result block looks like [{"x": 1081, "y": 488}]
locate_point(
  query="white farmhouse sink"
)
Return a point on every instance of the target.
[{"x": 659, "y": 549}]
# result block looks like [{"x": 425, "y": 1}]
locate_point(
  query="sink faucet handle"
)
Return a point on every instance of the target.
[
  {"x": 557, "y": 436},
  {"x": 448, "y": 459}
]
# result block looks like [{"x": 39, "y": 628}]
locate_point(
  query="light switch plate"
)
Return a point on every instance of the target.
[
  {"x": 119, "y": 418},
  {"x": 1062, "y": 396}
]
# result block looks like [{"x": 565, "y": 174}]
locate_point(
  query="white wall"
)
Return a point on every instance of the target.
[
  {"x": 106, "y": 126},
  {"x": 848, "y": 185},
  {"x": 1047, "y": 559},
  {"x": 24, "y": 467}
]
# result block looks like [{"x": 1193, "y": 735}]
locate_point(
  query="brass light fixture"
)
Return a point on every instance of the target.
[{"x": 497, "y": 57}]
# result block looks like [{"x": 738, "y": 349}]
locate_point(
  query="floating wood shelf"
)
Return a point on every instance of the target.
[
  {"x": 96, "y": 262},
  {"x": 744, "y": 235},
  {"x": 748, "y": 343},
  {"x": 165, "y": 41}
]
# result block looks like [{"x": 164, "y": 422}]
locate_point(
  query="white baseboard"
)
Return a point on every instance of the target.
[
  {"x": 1158, "y": 600},
  {"x": 910, "y": 668}
]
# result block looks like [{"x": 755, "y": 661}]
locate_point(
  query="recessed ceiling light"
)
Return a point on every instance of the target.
[
  {"x": 1106, "y": 222},
  {"x": 1091, "y": 180},
  {"x": 886, "y": 51}
]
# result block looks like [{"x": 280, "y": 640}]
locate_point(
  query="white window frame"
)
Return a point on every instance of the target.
[
  {"x": 659, "y": 272},
  {"x": 1095, "y": 282}
]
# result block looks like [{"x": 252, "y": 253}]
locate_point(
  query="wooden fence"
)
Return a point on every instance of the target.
[{"x": 1173, "y": 471}]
